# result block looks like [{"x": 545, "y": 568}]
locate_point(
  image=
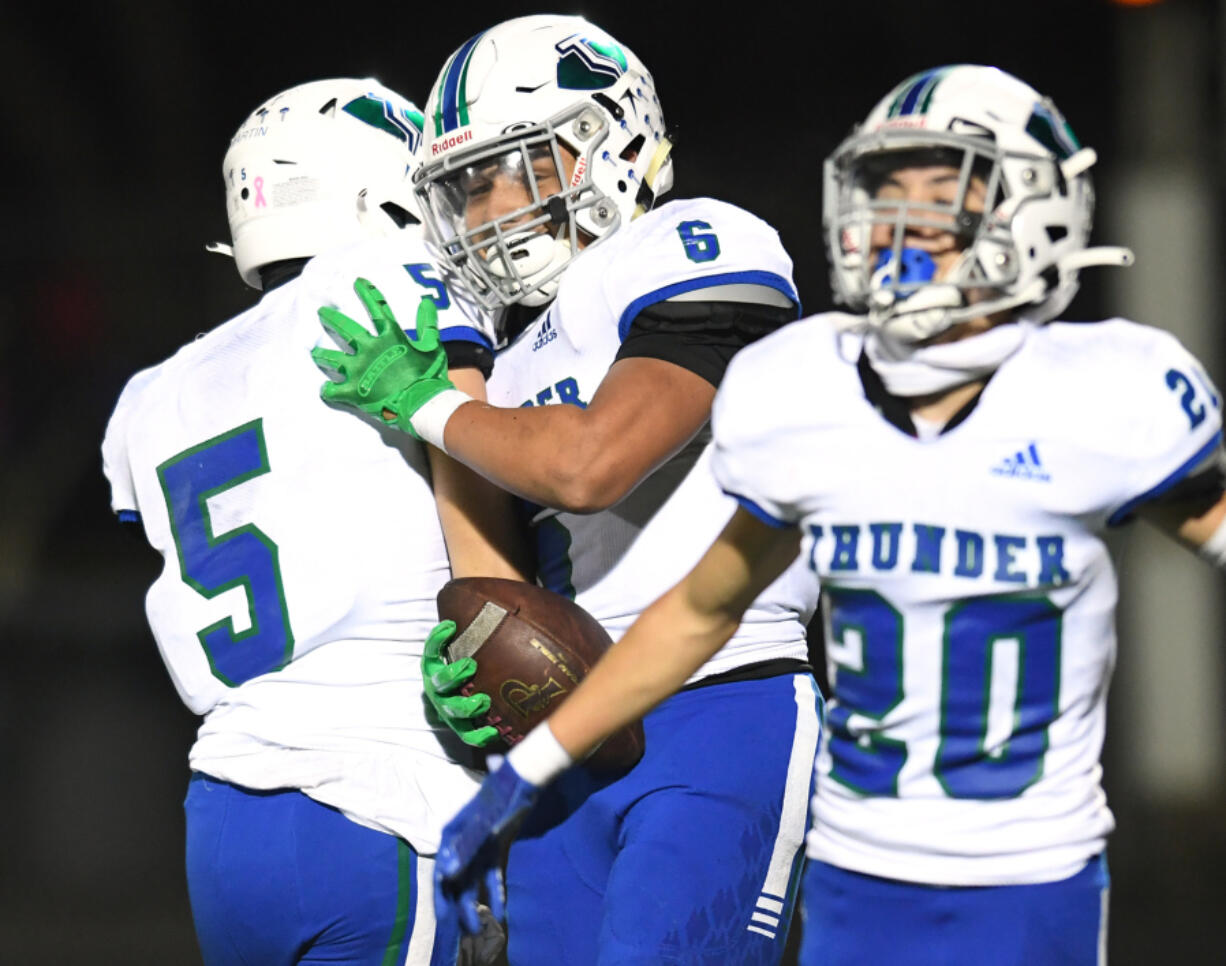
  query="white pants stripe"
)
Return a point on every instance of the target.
[
  {"x": 795, "y": 813},
  {"x": 421, "y": 940}
]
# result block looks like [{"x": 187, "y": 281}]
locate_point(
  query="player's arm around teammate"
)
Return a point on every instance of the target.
[
  {"x": 584, "y": 460},
  {"x": 581, "y": 459}
]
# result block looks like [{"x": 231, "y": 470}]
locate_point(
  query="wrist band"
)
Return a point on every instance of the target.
[
  {"x": 540, "y": 757},
  {"x": 1214, "y": 549},
  {"x": 431, "y": 419}
]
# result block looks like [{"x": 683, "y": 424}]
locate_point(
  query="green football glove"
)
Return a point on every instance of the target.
[
  {"x": 387, "y": 375},
  {"x": 458, "y": 711}
]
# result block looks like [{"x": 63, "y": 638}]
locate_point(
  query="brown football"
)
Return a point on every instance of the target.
[{"x": 532, "y": 648}]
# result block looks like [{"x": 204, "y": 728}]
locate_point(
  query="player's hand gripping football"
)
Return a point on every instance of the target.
[
  {"x": 466, "y": 869},
  {"x": 387, "y": 375},
  {"x": 443, "y": 680}
]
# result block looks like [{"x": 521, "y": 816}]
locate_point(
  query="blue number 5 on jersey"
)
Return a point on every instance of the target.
[{"x": 213, "y": 563}]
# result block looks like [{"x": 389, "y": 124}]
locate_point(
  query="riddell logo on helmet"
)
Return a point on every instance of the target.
[
  {"x": 580, "y": 170},
  {"x": 920, "y": 121},
  {"x": 450, "y": 142}
]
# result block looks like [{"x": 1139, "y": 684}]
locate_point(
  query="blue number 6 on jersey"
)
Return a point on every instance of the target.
[
  {"x": 244, "y": 557},
  {"x": 699, "y": 246}
]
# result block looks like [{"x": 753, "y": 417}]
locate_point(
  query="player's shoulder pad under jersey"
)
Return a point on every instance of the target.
[
  {"x": 677, "y": 251},
  {"x": 773, "y": 399},
  {"x": 1159, "y": 411},
  {"x": 402, "y": 268}
]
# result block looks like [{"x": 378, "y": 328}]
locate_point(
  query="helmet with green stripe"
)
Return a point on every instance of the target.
[
  {"x": 318, "y": 166},
  {"x": 1022, "y": 236},
  {"x": 558, "y": 110}
]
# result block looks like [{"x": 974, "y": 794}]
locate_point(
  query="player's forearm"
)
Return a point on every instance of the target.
[
  {"x": 662, "y": 649},
  {"x": 551, "y": 455},
  {"x": 677, "y": 634},
  {"x": 1200, "y": 525},
  {"x": 479, "y": 521}
]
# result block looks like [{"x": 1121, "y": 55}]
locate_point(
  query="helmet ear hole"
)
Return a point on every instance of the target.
[
  {"x": 401, "y": 216},
  {"x": 631, "y": 151},
  {"x": 610, "y": 105}
]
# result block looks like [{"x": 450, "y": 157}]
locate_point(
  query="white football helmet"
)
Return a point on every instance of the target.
[
  {"x": 547, "y": 100},
  {"x": 1022, "y": 251},
  {"x": 318, "y": 166}
]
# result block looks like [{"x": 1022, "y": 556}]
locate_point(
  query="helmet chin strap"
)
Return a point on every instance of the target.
[
  {"x": 917, "y": 315},
  {"x": 663, "y": 150},
  {"x": 945, "y": 307},
  {"x": 934, "y": 308},
  {"x": 908, "y": 369},
  {"x": 538, "y": 251}
]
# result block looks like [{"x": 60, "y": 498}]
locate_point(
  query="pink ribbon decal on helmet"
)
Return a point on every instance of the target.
[{"x": 259, "y": 192}]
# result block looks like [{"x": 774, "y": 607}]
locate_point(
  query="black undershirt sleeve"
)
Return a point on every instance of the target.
[
  {"x": 469, "y": 355},
  {"x": 1199, "y": 491},
  {"x": 701, "y": 336}
]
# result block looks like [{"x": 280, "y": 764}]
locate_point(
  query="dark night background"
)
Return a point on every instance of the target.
[{"x": 116, "y": 117}]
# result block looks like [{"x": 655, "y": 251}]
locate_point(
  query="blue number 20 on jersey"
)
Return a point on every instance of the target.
[{"x": 974, "y": 759}]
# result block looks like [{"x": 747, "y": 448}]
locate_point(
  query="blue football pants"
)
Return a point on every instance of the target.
[
  {"x": 852, "y": 919},
  {"x": 278, "y": 879},
  {"x": 691, "y": 857}
]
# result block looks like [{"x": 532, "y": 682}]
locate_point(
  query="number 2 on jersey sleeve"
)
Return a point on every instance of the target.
[
  {"x": 1189, "y": 399},
  {"x": 213, "y": 563},
  {"x": 999, "y": 690}
]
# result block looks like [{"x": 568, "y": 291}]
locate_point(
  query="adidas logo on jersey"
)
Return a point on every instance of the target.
[
  {"x": 1024, "y": 464},
  {"x": 547, "y": 334}
]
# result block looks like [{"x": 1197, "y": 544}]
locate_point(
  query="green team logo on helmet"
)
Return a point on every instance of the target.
[
  {"x": 1050, "y": 129},
  {"x": 589, "y": 65},
  {"x": 405, "y": 124}
]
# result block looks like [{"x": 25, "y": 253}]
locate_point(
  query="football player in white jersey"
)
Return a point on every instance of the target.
[
  {"x": 948, "y": 460},
  {"x": 546, "y": 151},
  {"x": 319, "y": 784}
]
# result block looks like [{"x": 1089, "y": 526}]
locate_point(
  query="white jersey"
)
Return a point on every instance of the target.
[
  {"x": 302, "y": 553},
  {"x": 616, "y": 562},
  {"x": 969, "y": 597}
]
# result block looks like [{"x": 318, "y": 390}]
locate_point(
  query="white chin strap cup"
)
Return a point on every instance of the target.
[{"x": 529, "y": 256}]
